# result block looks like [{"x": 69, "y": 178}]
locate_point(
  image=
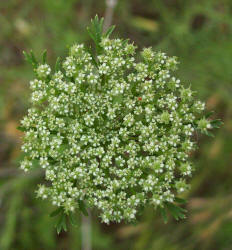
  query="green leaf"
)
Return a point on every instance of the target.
[
  {"x": 92, "y": 55},
  {"x": 44, "y": 57},
  {"x": 34, "y": 61},
  {"x": 92, "y": 36},
  {"x": 109, "y": 31},
  {"x": 216, "y": 123},
  {"x": 209, "y": 114},
  {"x": 95, "y": 31},
  {"x": 177, "y": 212},
  {"x": 180, "y": 200},
  {"x": 58, "y": 64},
  {"x": 125, "y": 42},
  {"x": 208, "y": 133},
  {"x": 164, "y": 214},
  {"x": 29, "y": 57},
  {"x": 61, "y": 224},
  {"x": 21, "y": 128},
  {"x": 73, "y": 220},
  {"x": 82, "y": 207},
  {"x": 56, "y": 212}
]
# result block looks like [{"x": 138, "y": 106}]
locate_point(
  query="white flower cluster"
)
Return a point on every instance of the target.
[{"x": 111, "y": 132}]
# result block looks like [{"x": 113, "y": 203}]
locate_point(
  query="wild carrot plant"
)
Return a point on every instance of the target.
[{"x": 112, "y": 128}]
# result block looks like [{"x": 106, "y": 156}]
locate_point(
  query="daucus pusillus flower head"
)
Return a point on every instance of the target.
[{"x": 111, "y": 131}]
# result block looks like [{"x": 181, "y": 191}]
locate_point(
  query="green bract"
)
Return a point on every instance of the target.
[{"x": 112, "y": 131}]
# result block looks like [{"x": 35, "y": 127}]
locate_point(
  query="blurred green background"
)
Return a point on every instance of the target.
[{"x": 200, "y": 34}]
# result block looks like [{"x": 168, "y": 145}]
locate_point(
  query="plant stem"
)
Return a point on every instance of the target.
[
  {"x": 110, "y": 5},
  {"x": 86, "y": 232}
]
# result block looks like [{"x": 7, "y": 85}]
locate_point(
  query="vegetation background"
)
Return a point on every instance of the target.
[{"x": 199, "y": 32}]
